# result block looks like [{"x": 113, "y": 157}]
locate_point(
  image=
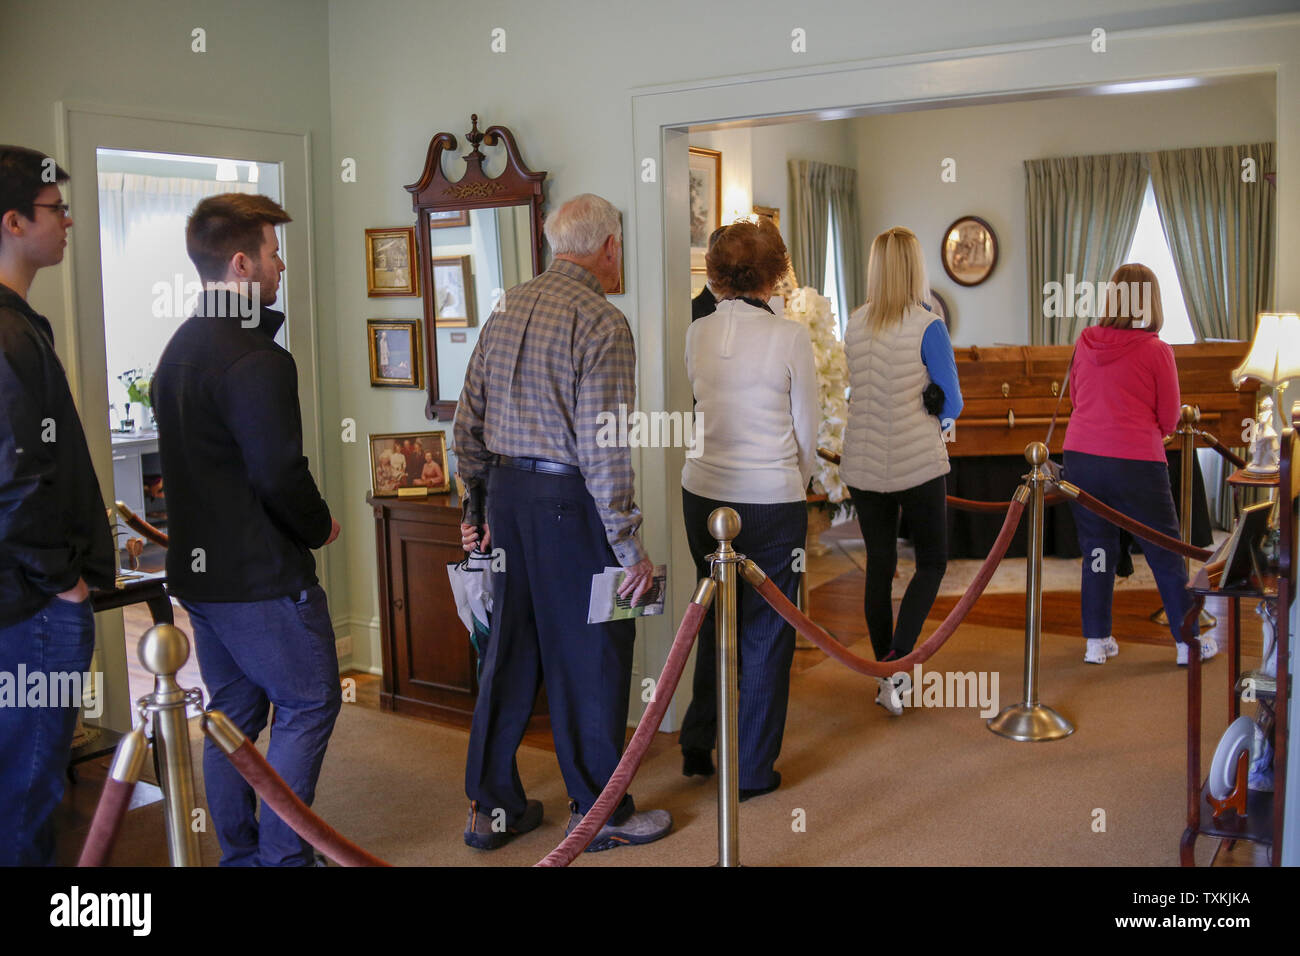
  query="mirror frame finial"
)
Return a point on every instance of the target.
[{"x": 433, "y": 191}]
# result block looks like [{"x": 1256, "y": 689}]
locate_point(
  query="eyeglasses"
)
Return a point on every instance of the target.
[{"x": 62, "y": 207}]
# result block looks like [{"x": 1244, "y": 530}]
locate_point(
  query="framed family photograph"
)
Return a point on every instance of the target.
[
  {"x": 706, "y": 201},
  {"x": 448, "y": 218},
  {"x": 395, "y": 353},
  {"x": 453, "y": 291},
  {"x": 391, "y": 264},
  {"x": 408, "y": 460}
]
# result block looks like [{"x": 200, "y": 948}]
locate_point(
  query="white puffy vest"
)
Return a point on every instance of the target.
[{"x": 890, "y": 442}]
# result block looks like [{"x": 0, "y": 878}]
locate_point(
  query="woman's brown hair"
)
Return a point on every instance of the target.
[
  {"x": 1131, "y": 300},
  {"x": 747, "y": 258}
]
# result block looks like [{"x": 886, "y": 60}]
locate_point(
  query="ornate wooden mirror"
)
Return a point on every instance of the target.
[{"x": 476, "y": 237}]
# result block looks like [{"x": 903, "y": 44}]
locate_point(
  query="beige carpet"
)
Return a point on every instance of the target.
[{"x": 933, "y": 787}]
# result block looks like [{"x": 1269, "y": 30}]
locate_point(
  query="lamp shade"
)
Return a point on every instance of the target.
[{"x": 1274, "y": 355}]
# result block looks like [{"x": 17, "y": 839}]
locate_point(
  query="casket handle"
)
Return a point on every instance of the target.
[
  {"x": 1056, "y": 389},
  {"x": 1011, "y": 418},
  {"x": 1006, "y": 389}
]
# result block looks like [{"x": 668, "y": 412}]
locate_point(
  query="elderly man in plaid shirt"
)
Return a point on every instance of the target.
[{"x": 552, "y": 357}]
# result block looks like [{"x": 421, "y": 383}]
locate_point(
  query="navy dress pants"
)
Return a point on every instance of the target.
[
  {"x": 769, "y": 535},
  {"x": 553, "y": 541},
  {"x": 1140, "y": 489}
]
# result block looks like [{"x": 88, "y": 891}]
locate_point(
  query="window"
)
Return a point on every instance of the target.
[
  {"x": 832, "y": 287},
  {"x": 1150, "y": 248}
]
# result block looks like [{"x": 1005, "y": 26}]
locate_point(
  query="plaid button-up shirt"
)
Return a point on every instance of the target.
[{"x": 553, "y": 356}]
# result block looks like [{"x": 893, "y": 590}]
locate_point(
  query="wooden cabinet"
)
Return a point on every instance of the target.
[{"x": 430, "y": 668}]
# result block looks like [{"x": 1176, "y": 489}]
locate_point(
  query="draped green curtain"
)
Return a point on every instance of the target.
[
  {"x": 842, "y": 190},
  {"x": 1081, "y": 214},
  {"x": 1220, "y": 231},
  {"x": 810, "y": 199},
  {"x": 1218, "y": 217}
]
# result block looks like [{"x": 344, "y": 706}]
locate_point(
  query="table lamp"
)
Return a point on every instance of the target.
[{"x": 1273, "y": 360}]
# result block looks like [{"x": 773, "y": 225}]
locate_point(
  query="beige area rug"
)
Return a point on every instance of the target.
[{"x": 933, "y": 787}]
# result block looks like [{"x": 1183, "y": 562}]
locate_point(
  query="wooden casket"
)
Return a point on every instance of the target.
[{"x": 1010, "y": 392}]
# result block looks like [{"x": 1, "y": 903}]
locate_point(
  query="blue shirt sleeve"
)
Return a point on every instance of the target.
[{"x": 936, "y": 353}]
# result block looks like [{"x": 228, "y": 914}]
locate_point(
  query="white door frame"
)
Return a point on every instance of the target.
[
  {"x": 662, "y": 114},
  {"x": 82, "y": 128}
]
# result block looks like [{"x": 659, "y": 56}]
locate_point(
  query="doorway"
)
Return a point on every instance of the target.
[{"x": 125, "y": 273}]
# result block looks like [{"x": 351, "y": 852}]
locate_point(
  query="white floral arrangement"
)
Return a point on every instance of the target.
[{"x": 809, "y": 307}]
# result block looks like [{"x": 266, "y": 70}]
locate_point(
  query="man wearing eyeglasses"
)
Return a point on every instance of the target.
[{"x": 54, "y": 534}]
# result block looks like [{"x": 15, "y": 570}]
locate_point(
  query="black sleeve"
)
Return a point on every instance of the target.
[
  {"x": 258, "y": 399},
  {"x": 29, "y": 527}
]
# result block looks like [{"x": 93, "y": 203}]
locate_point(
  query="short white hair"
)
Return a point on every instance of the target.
[{"x": 581, "y": 226}]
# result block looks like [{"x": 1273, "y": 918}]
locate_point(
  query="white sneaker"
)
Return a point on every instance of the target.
[
  {"x": 1096, "y": 652},
  {"x": 1112, "y": 647},
  {"x": 1209, "y": 647},
  {"x": 890, "y": 694}
]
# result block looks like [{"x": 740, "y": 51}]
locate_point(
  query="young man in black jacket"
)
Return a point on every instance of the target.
[
  {"x": 244, "y": 514},
  {"x": 54, "y": 534}
]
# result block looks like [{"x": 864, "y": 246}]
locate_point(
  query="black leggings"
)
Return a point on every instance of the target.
[{"x": 926, "y": 509}]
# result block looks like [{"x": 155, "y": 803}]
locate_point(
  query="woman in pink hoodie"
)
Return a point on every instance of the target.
[{"x": 1124, "y": 391}]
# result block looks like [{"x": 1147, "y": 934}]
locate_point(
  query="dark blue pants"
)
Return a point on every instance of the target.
[
  {"x": 553, "y": 542},
  {"x": 1140, "y": 489},
  {"x": 769, "y": 534},
  {"x": 36, "y": 741},
  {"x": 254, "y": 654}
]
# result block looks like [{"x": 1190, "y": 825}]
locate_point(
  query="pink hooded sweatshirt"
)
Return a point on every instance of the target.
[{"x": 1124, "y": 392}]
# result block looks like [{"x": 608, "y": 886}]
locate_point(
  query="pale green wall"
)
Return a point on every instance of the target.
[
  {"x": 266, "y": 67},
  {"x": 899, "y": 155}
]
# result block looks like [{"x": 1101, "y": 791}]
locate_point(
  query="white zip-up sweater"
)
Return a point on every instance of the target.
[
  {"x": 890, "y": 442},
  {"x": 755, "y": 385}
]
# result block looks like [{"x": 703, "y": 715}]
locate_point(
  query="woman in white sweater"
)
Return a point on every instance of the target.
[
  {"x": 894, "y": 458},
  {"x": 755, "y": 385}
]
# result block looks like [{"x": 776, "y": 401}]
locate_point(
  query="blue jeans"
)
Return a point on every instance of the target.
[
  {"x": 1140, "y": 489},
  {"x": 36, "y": 741},
  {"x": 251, "y": 655}
]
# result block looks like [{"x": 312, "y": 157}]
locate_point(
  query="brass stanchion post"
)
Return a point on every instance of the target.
[
  {"x": 1187, "y": 432},
  {"x": 164, "y": 649},
  {"x": 724, "y": 525},
  {"x": 1030, "y": 720}
]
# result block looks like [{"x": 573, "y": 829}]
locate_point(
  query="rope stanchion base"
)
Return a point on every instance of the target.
[
  {"x": 610, "y": 797},
  {"x": 275, "y": 793}
]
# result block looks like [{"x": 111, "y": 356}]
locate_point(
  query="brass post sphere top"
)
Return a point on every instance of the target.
[
  {"x": 164, "y": 649},
  {"x": 1036, "y": 453},
  {"x": 724, "y": 524},
  {"x": 1190, "y": 415}
]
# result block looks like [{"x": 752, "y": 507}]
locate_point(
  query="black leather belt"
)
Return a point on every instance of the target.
[{"x": 538, "y": 464}]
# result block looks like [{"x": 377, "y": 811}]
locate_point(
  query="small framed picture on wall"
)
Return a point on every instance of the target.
[
  {"x": 705, "y": 200},
  {"x": 453, "y": 291},
  {"x": 391, "y": 265},
  {"x": 395, "y": 353}
]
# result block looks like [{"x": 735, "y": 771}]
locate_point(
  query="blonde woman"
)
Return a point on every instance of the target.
[{"x": 894, "y": 458}]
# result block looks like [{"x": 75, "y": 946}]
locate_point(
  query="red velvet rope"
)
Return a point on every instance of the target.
[
  {"x": 113, "y": 801},
  {"x": 1223, "y": 450},
  {"x": 621, "y": 778},
  {"x": 963, "y": 504},
  {"x": 833, "y": 648},
  {"x": 275, "y": 793},
  {"x": 1140, "y": 530}
]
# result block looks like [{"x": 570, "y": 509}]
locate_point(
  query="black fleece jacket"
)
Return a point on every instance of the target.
[
  {"x": 53, "y": 525},
  {"x": 243, "y": 510}
]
